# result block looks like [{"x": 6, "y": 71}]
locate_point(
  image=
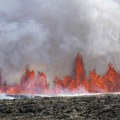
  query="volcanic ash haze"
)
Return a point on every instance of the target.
[{"x": 47, "y": 34}]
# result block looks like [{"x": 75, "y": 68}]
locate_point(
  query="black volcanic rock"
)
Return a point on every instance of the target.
[{"x": 97, "y": 107}]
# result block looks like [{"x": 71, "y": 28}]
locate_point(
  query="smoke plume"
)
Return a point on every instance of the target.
[{"x": 47, "y": 34}]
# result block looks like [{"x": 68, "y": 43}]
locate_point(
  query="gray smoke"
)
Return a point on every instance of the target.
[{"x": 48, "y": 34}]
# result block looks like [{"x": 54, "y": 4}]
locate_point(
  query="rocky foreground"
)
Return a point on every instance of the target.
[{"x": 96, "y": 107}]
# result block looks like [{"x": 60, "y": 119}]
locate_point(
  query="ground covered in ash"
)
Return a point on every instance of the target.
[{"x": 96, "y": 107}]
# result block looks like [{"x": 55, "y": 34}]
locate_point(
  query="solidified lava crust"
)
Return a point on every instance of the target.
[{"x": 97, "y": 107}]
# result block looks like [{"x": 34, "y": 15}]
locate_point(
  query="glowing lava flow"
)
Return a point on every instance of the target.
[{"x": 94, "y": 83}]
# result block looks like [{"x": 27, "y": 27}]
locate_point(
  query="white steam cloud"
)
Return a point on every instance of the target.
[{"x": 48, "y": 34}]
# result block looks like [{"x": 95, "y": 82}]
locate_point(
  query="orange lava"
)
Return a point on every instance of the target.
[{"x": 37, "y": 84}]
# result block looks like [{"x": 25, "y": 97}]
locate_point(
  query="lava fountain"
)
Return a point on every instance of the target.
[{"x": 37, "y": 84}]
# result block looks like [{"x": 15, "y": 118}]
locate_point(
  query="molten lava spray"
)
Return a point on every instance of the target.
[{"x": 94, "y": 83}]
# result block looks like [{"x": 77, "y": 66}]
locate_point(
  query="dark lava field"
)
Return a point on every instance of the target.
[{"x": 95, "y": 107}]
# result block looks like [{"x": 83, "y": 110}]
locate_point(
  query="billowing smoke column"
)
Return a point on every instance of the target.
[{"x": 46, "y": 35}]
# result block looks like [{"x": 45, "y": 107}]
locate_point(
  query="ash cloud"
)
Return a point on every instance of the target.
[{"x": 48, "y": 34}]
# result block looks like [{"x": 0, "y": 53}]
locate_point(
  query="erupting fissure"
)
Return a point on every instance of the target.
[{"x": 37, "y": 84}]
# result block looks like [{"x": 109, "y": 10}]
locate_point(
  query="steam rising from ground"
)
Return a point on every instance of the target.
[{"x": 48, "y": 34}]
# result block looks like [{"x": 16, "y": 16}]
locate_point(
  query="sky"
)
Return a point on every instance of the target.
[{"x": 48, "y": 34}]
